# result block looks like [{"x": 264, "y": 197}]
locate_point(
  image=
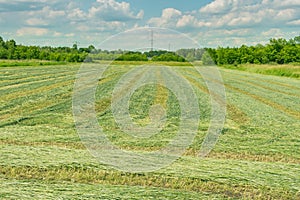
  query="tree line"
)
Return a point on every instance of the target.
[
  {"x": 279, "y": 51},
  {"x": 10, "y": 50}
]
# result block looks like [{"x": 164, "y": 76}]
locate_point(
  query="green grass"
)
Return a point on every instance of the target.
[
  {"x": 165, "y": 63},
  {"x": 22, "y": 63},
  {"x": 257, "y": 155},
  {"x": 34, "y": 189},
  {"x": 287, "y": 70}
]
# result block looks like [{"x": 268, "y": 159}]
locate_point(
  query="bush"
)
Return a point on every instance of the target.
[
  {"x": 169, "y": 57},
  {"x": 132, "y": 56}
]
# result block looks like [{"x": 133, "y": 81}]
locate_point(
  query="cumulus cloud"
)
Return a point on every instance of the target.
[
  {"x": 102, "y": 15},
  {"x": 24, "y": 5},
  {"x": 69, "y": 35},
  {"x": 47, "y": 12},
  {"x": 36, "y": 22},
  {"x": 57, "y": 34},
  {"x": 295, "y": 22},
  {"x": 230, "y": 19},
  {"x": 111, "y": 10},
  {"x": 187, "y": 20},
  {"x": 234, "y": 20},
  {"x": 274, "y": 32},
  {"x": 76, "y": 14},
  {"x": 218, "y": 6},
  {"x": 285, "y": 3},
  {"x": 232, "y": 13},
  {"x": 32, "y": 31},
  {"x": 169, "y": 18},
  {"x": 286, "y": 14}
]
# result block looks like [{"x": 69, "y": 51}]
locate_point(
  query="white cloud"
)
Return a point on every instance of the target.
[
  {"x": 245, "y": 19},
  {"x": 169, "y": 18},
  {"x": 44, "y": 17},
  {"x": 48, "y": 12},
  {"x": 83, "y": 27},
  {"x": 238, "y": 13},
  {"x": 285, "y": 3},
  {"x": 27, "y": 1},
  {"x": 224, "y": 22},
  {"x": 111, "y": 10},
  {"x": 36, "y": 22},
  {"x": 274, "y": 32},
  {"x": 218, "y": 6},
  {"x": 170, "y": 13},
  {"x": 106, "y": 16},
  {"x": 32, "y": 31},
  {"x": 70, "y": 35},
  {"x": 57, "y": 34},
  {"x": 228, "y": 13},
  {"x": 140, "y": 15},
  {"x": 187, "y": 20},
  {"x": 286, "y": 14},
  {"x": 295, "y": 22},
  {"x": 76, "y": 13},
  {"x": 110, "y": 26}
]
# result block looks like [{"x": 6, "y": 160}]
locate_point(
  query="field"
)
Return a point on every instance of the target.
[
  {"x": 257, "y": 155},
  {"x": 287, "y": 70}
]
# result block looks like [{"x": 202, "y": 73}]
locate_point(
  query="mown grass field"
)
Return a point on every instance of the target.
[
  {"x": 288, "y": 70},
  {"x": 257, "y": 155}
]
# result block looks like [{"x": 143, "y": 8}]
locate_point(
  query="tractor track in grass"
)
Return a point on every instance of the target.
[
  {"x": 33, "y": 80},
  {"x": 43, "y": 88},
  {"x": 275, "y": 80},
  {"x": 28, "y": 110},
  {"x": 31, "y": 74},
  {"x": 293, "y": 113},
  {"x": 102, "y": 105},
  {"x": 25, "y": 100},
  {"x": 273, "y": 88},
  {"x": 14, "y": 89},
  {"x": 235, "y": 113},
  {"x": 285, "y": 101},
  {"x": 36, "y": 94},
  {"x": 268, "y": 102}
]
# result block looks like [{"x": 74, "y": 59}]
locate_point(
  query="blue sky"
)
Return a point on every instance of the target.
[{"x": 211, "y": 23}]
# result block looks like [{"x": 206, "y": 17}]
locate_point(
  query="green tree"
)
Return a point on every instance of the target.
[{"x": 207, "y": 59}]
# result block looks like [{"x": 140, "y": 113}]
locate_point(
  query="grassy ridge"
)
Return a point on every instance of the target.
[{"x": 256, "y": 157}]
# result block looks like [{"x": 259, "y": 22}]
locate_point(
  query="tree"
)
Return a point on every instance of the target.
[
  {"x": 10, "y": 45},
  {"x": 297, "y": 39},
  {"x": 169, "y": 56},
  {"x": 2, "y": 43},
  {"x": 207, "y": 59},
  {"x": 132, "y": 56},
  {"x": 75, "y": 47}
]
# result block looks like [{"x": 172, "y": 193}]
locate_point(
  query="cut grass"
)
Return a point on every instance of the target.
[
  {"x": 37, "y": 189},
  {"x": 256, "y": 180},
  {"x": 24, "y": 63},
  {"x": 257, "y": 155},
  {"x": 163, "y": 63}
]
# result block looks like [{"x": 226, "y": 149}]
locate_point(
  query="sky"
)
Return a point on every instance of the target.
[{"x": 211, "y": 23}]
